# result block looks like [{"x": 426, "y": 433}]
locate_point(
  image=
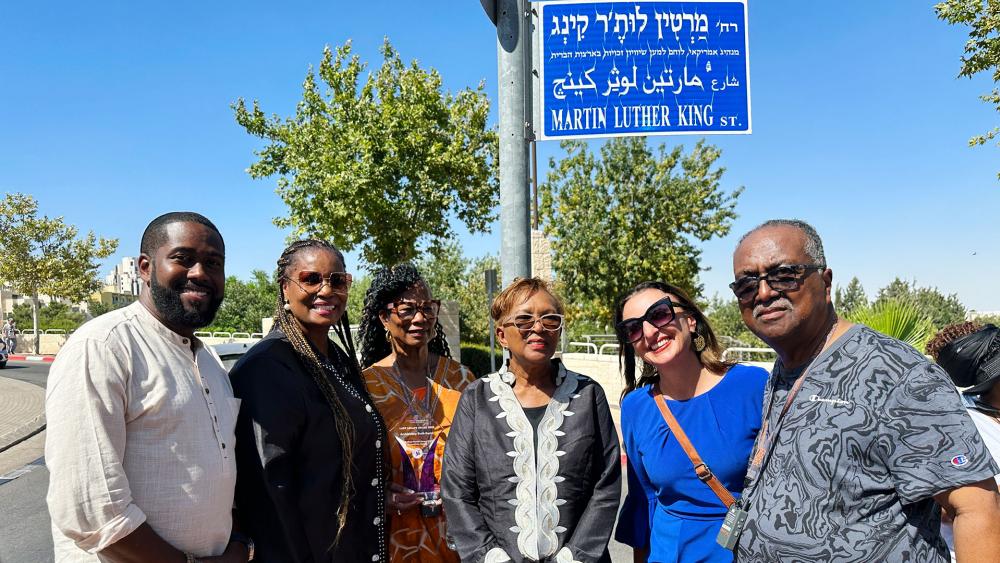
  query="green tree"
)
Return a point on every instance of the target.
[
  {"x": 98, "y": 308},
  {"x": 356, "y": 297},
  {"x": 982, "y": 50},
  {"x": 726, "y": 320},
  {"x": 626, "y": 214},
  {"x": 941, "y": 309},
  {"x": 453, "y": 277},
  {"x": 898, "y": 317},
  {"x": 850, "y": 298},
  {"x": 51, "y": 316},
  {"x": 386, "y": 163},
  {"x": 246, "y": 304},
  {"x": 44, "y": 256}
]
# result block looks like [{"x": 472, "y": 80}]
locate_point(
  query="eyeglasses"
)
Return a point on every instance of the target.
[
  {"x": 550, "y": 322},
  {"x": 406, "y": 310},
  {"x": 787, "y": 277},
  {"x": 658, "y": 314},
  {"x": 313, "y": 282}
]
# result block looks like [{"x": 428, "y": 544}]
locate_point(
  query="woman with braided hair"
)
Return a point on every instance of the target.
[
  {"x": 312, "y": 473},
  {"x": 416, "y": 385}
]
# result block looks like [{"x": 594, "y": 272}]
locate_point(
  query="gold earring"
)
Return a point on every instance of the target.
[
  {"x": 287, "y": 306},
  {"x": 699, "y": 342},
  {"x": 388, "y": 337}
]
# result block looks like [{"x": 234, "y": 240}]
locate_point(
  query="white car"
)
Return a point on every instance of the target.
[{"x": 231, "y": 352}]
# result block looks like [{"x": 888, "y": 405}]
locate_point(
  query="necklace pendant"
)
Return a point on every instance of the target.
[{"x": 418, "y": 453}]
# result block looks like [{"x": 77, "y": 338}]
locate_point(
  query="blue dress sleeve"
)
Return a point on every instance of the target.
[{"x": 637, "y": 509}]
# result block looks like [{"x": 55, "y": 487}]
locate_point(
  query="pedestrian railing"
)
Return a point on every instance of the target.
[{"x": 741, "y": 354}]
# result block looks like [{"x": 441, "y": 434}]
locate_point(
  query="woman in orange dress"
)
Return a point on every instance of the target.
[{"x": 416, "y": 386}]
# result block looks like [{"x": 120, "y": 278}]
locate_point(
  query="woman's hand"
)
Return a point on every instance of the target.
[{"x": 401, "y": 498}]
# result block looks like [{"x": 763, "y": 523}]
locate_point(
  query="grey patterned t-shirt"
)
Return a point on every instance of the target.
[{"x": 875, "y": 431}]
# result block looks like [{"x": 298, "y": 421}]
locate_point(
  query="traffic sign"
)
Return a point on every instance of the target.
[{"x": 654, "y": 67}]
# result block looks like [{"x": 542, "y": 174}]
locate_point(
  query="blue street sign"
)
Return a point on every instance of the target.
[{"x": 610, "y": 69}]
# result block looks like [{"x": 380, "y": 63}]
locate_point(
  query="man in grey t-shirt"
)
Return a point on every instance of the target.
[{"x": 863, "y": 438}]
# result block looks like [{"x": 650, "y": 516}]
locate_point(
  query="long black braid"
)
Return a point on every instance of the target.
[
  {"x": 387, "y": 285},
  {"x": 292, "y": 329}
]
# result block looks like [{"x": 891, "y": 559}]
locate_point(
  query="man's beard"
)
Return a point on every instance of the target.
[{"x": 168, "y": 303}]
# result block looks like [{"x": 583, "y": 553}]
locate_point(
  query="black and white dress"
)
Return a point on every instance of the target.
[{"x": 512, "y": 495}]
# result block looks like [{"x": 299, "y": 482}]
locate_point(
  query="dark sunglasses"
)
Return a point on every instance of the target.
[
  {"x": 787, "y": 277},
  {"x": 407, "y": 309},
  {"x": 550, "y": 322},
  {"x": 658, "y": 314},
  {"x": 313, "y": 282}
]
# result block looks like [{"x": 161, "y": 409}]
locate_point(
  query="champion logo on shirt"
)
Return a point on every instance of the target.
[
  {"x": 959, "y": 460},
  {"x": 838, "y": 402}
]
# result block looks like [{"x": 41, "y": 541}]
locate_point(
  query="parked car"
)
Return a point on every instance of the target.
[
  {"x": 231, "y": 352},
  {"x": 3, "y": 355}
]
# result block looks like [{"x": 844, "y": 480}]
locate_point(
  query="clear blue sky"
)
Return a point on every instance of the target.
[{"x": 114, "y": 112}]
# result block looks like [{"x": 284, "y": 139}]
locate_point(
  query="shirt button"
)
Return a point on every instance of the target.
[
  {"x": 369, "y": 409},
  {"x": 378, "y": 443},
  {"x": 377, "y": 521},
  {"x": 375, "y": 557},
  {"x": 185, "y": 341},
  {"x": 207, "y": 391},
  {"x": 223, "y": 445},
  {"x": 375, "y": 482}
]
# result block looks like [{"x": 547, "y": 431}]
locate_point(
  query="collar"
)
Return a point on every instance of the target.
[{"x": 144, "y": 316}]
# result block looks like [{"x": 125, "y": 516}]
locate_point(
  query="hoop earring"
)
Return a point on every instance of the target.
[
  {"x": 699, "y": 343},
  {"x": 388, "y": 336}
]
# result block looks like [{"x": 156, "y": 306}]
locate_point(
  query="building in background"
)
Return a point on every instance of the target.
[{"x": 125, "y": 277}]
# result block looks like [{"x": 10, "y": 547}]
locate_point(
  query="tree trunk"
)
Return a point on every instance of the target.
[{"x": 34, "y": 321}]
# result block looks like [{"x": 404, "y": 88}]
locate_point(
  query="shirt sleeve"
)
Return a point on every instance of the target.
[
  {"x": 590, "y": 537},
  {"x": 929, "y": 441},
  {"x": 634, "y": 519},
  {"x": 89, "y": 498},
  {"x": 268, "y": 431},
  {"x": 467, "y": 527}
]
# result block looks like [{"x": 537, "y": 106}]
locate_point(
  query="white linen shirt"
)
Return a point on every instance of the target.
[{"x": 140, "y": 429}]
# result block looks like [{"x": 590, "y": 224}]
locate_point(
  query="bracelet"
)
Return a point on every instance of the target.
[
  {"x": 190, "y": 558},
  {"x": 245, "y": 540}
]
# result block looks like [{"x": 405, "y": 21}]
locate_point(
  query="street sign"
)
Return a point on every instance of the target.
[{"x": 610, "y": 69}]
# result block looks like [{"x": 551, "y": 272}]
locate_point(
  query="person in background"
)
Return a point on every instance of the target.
[
  {"x": 416, "y": 385},
  {"x": 140, "y": 416},
  {"x": 673, "y": 512},
  {"x": 532, "y": 469},
  {"x": 310, "y": 444},
  {"x": 970, "y": 353}
]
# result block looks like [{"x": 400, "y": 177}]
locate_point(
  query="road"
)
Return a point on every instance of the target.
[{"x": 24, "y": 518}]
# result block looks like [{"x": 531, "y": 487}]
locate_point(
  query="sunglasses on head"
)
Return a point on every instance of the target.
[
  {"x": 313, "y": 282},
  {"x": 658, "y": 314},
  {"x": 786, "y": 277},
  {"x": 407, "y": 309}
]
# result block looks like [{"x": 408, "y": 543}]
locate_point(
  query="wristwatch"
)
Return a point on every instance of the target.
[{"x": 245, "y": 540}]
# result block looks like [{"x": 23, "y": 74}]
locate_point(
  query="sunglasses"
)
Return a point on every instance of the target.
[
  {"x": 787, "y": 277},
  {"x": 550, "y": 322},
  {"x": 407, "y": 310},
  {"x": 313, "y": 282},
  {"x": 658, "y": 314}
]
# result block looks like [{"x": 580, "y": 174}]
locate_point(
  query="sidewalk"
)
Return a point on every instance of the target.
[{"x": 22, "y": 411}]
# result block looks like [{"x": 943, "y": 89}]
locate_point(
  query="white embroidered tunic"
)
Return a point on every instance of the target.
[{"x": 504, "y": 502}]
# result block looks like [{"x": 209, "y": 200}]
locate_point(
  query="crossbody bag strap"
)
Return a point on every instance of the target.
[{"x": 701, "y": 469}]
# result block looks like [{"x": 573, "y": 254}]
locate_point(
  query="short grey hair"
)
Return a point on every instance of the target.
[{"x": 814, "y": 244}]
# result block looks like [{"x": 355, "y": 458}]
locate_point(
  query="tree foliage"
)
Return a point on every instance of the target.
[
  {"x": 45, "y": 256},
  {"x": 452, "y": 276},
  {"x": 246, "y": 303},
  {"x": 725, "y": 318},
  {"x": 98, "y": 308},
  {"x": 627, "y": 214},
  {"x": 851, "y": 298},
  {"x": 982, "y": 50},
  {"x": 383, "y": 162},
  {"x": 898, "y": 317},
  {"x": 942, "y": 310}
]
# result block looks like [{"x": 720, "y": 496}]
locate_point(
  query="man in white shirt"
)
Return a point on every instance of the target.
[{"x": 141, "y": 416}]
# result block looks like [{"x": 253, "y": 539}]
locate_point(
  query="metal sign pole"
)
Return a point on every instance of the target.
[{"x": 513, "y": 61}]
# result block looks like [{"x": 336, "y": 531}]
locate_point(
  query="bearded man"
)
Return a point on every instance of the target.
[{"x": 141, "y": 416}]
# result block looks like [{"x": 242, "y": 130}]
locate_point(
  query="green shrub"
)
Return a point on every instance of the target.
[
  {"x": 477, "y": 358},
  {"x": 898, "y": 318}
]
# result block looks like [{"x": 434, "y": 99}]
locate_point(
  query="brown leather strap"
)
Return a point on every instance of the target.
[{"x": 700, "y": 468}]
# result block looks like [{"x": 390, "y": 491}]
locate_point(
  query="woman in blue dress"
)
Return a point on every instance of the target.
[{"x": 670, "y": 515}]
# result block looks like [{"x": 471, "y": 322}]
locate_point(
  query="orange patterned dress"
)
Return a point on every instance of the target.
[{"x": 415, "y": 538}]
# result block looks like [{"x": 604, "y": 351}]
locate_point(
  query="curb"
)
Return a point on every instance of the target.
[
  {"x": 26, "y": 395},
  {"x": 18, "y": 358}
]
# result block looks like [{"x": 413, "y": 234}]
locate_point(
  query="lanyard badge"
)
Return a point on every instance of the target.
[{"x": 732, "y": 527}]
